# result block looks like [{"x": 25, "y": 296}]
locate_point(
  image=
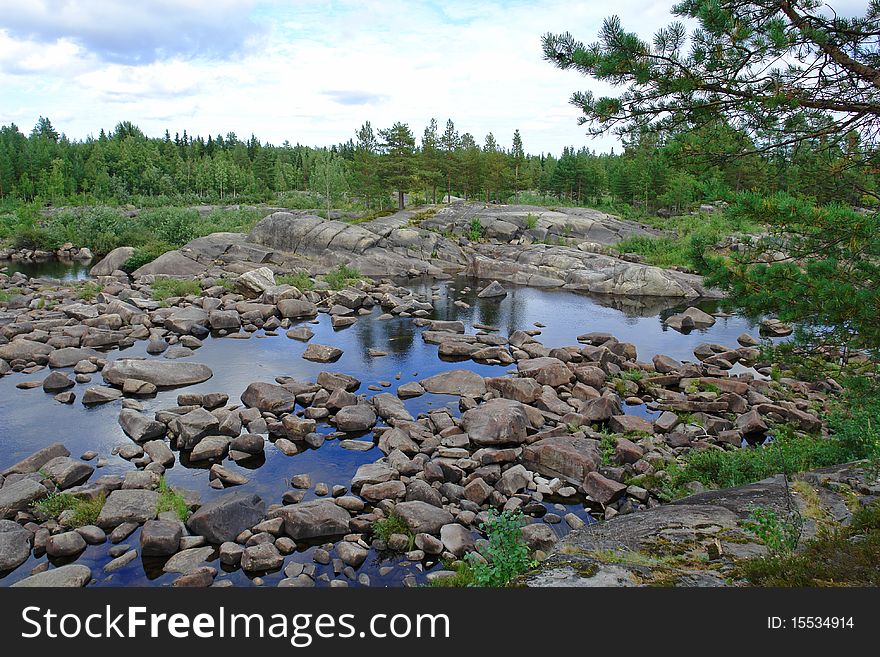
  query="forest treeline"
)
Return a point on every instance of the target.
[{"x": 376, "y": 168}]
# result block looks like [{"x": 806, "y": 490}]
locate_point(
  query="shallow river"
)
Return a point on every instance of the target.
[{"x": 30, "y": 419}]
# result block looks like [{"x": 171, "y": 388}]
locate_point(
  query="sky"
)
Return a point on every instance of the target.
[{"x": 308, "y": 72}]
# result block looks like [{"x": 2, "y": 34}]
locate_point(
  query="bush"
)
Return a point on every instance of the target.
[
  {"x": 476, "y": 230},
  {"x": 384, "y": 528},
  {"x": 146, "y": 254},
  {"x": 507, "y": 554},
  {"x": 165, "y": 288},
  {"x": 85, "y": 511},
  {"x": 171, "y": 500},
  {"x": 88, "y": 291},
  {"x": 299, "y": 280},
  {"x": 781, "y": 535},
  {"x": 842, "y": 556},
  {"x": 342, "y": 277}
]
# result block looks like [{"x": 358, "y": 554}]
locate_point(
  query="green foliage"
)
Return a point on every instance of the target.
[
  {"x": 694, "y": 236},
  {"x": 342, "y": 277},
  {"x": 507, "y": 554},
  {"x": 171, "y": 500},
  {"x": 88, "y": 291},
  {"x": 608, "y": 447},
  {"x": 384, "y": 528},
  {"x": 839, "y": 556},
  {"x": 85, "y": 511},
  {"x": 146, "y": 254},
  {"x": 531, "y": 221},
  {"x": 299, "y": 280},
  {"x": 476, "y": 230},
  {"x": 829, "y": 284},
  {"x": 779, "y": 534},
  {"x": 165, "y": 288}
]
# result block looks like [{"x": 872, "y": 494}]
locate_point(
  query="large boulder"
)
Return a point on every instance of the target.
[
  {"x": 139, "y": 427},
  {"x": 194, "y": 426},
  {"x": 160, "y": 538},
  {"x": 70, "y": 576},
  {"x": 128, "y": 505},
  {"x": 463, "y": 383},
  {"x": 422, "y": 517},
  {"x": 112, "y": 262},
  {"x": 184, "y": 319},
  {"x": 70, "y": 356},
  {"x": 497, "y": 422},
  {"x": 269, "y": 398},
  {"x": 36, "y": 460},
  {"x": 256, "y": 281},
  {"x": 566, "y": 457},
  {"x": 546, "y": 370},
  {"x": 355, "y": 418},
  {"x": 19, "y": 495},
  {"x": 523, "y": 390},
  {"x": 159, "y": 373},
  {"x": 66, "y": 472},
  {"x": 15, "y": 545},
  {"x": 389, "y": 407},
  {"x": 492, "y": 290},
  {"x": 172, "y": 263},
  {"x": 321, "y": 353},
  {"x": 23, "y": 349},
  {"x": 297, "y": 308},
  {"x": 225, "y": 517},
  {"x": 315, "y": 519}
]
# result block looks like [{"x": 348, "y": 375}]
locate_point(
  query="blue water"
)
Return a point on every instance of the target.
[{"x": 30, "y": 419}]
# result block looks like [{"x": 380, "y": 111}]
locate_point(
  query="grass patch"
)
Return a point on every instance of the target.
[
  {"x": 165, "y": 288},
  {"x": 299, "y": 280},
  {"x": 88, "y": 291},
  {"x": 692, "y": 236},
  {"x": 85, "y": 511},
  {"x": 171, "y": 500},
  {"x": 341, "y": 277},
  {"x": 6, "y": 295},
  {"x": 384, "y": 528},
  {"x": 841, "y": 556},
  {"x": 855, "y": 435},
  {"x": 464, "y": 577}
]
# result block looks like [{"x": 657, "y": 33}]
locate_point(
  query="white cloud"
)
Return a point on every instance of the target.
[{"x": 316, "y": 72}]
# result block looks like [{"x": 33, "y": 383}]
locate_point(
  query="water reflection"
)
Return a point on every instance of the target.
[{"x": 30, "y": 419}]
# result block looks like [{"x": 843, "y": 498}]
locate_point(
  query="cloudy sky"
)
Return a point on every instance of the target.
[{"x": 306, "y": 71}]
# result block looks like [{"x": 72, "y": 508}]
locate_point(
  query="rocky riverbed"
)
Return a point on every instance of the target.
[{"x": 288, "y": 421}]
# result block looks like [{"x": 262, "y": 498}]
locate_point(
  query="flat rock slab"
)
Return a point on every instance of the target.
[
  {"x": 463, "y": 383},
  {"x": 188, "y": 560},
  {"x": 315, "y": 519},
  {"x": 224, "y": 518},
  {"x": 70, "y": 576},
  {"x": 131, "y": 505},
  {"x": 160, "y": 373}
]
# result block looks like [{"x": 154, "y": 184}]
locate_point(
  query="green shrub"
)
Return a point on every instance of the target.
[
  {"x": 85, "y": 511},
  {"x": 840, "y": 556},
  {"x": 171, "y": 500},
  {"x": 476, "y": 230},
  {"x": 299, "y": 280},
  {"x": 341, "y": 277},
  {"x": 507, "y": 554},
  {"x": 384, "y": 528},
  {"x": 531, "y": 221},
  {"x": 779, "y": 534},
  {"x": 146, "y": 254},
  {"x": 164, "y": 288},
  {"x": 88, "y": 291}
]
